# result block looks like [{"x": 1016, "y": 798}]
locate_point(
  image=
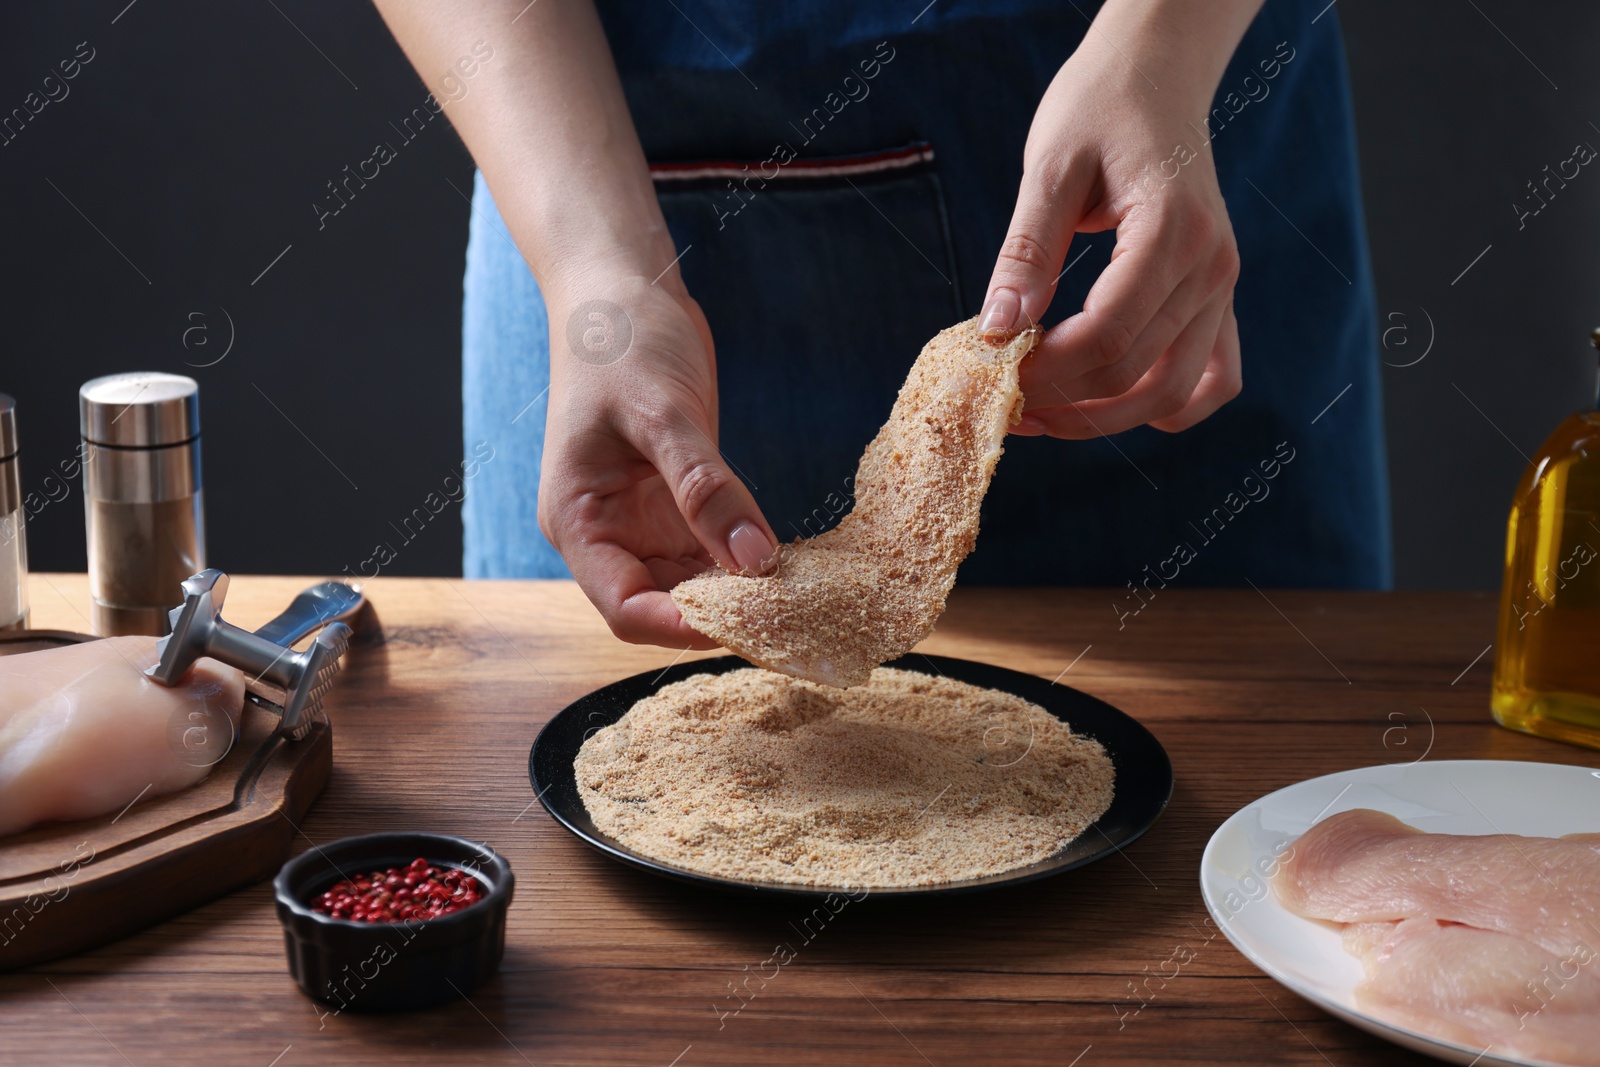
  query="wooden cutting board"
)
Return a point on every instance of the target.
[{"x": 68, "y": 886}]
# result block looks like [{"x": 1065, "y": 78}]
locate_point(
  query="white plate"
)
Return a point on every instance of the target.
[{"x": 1442, "y": 796}]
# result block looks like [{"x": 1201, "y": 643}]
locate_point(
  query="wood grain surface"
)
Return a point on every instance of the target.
[{"x": 433, "y": 720}]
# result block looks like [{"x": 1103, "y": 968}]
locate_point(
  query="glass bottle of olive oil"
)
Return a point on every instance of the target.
[{"x": 1547, "y": 657}]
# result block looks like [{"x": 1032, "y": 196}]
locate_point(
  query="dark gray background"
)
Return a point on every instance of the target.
[{"x": 144, "y": 207}]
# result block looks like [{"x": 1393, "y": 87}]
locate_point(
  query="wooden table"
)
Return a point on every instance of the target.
[{"x": 604, "y": 965}]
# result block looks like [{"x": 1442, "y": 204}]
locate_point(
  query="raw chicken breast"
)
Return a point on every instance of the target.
[
  {"x": 1492, "y": 942},
  {"x": 83, "y": 731},
  {"x": 1366, "y": 866},
  {"x": 1480, "y": 988}
]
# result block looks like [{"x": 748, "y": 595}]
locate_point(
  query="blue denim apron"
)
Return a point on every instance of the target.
[{"x": 840, "y": 180}]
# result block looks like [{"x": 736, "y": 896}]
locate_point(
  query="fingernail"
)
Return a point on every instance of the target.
[
  {"x": 751, "y": 550},
  {"x": 1029, "y": 426},
  {"x": 1000, "y": 314}
]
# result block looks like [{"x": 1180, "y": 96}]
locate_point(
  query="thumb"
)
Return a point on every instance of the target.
[
  {"x": 715, "y": 504},
  {"x": 1049, "y": 205}
]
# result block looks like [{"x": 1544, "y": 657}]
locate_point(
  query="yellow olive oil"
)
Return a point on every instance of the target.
[{"x": 1547, "y": 655}]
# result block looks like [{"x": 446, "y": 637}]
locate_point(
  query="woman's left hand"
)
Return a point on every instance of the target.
[{"x": 1156, "y": 341}]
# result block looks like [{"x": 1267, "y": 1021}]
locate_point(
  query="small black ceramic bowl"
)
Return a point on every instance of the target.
[{"x": 363, "y": 966}]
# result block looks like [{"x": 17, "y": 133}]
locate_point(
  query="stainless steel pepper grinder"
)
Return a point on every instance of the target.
[
  {"x": 142, "y": 497},
  {"x": 13, "y": 532}
]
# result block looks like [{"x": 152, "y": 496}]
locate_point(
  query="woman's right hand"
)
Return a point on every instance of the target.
[{"x": 634, "y": 492}]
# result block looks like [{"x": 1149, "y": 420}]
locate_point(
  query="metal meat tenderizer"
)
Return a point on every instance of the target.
[{"x": 266, "y": 655}]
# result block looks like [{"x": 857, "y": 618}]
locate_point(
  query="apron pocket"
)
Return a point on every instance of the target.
[{"x": 822, "y": 279}]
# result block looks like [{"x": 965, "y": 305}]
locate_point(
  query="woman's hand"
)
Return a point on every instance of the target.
[
  {"x": 1156, "y": 341},
  {"x": 634, "y": 493}
]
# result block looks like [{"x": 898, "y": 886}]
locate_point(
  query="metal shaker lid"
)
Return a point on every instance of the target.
[
  {"x": 8, "y": 427},
  {"x": 139, "y": 410}
]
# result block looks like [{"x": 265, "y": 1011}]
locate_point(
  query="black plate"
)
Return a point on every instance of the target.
[{"x": 1143, "y": 772}]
